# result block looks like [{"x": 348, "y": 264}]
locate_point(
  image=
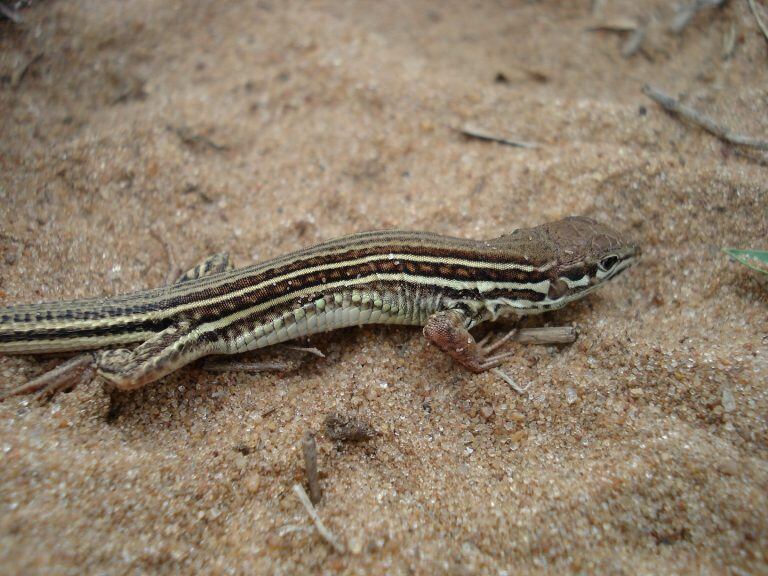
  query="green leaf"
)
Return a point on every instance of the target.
[{"x": 755, "y": 259}]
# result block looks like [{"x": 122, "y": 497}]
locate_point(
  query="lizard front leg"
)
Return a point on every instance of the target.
[{"x": 448, "y": 331}]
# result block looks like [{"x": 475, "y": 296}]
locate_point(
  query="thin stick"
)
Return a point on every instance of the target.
[
  {"x": 252, "y": 367},
  {"x": 675, "y": 107},
  {"x": 480, "y": 134},
  {"x": 760, "y": 23},
  {"x": 309, "y": 448},
  {"x": 327, "y": 535}
]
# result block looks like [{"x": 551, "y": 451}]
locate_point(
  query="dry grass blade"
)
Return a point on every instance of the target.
[
  {"x": 508, "y": 379},
  {"x": 694, "y": 117},
  {"x": 307, "y": 350},
  {"x": 322, "y": 530},
  {"x": 633, "y": 44},
  {"x": 480, "y": 134}
]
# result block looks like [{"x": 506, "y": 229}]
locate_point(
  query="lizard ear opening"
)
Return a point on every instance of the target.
[{"x": 557, "y": 289}]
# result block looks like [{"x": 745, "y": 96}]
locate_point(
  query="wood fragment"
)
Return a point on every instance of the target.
[
  {"x": 546, "y": 335},
  {"x": 10, "y": 14},
  {"x": 760, "y": 23},
  {"x": 309, "y": 449},
  {"x": 327, "y": 535},
  {"x": 480, "y": 134},
  {"x": 697, "y": 118}
]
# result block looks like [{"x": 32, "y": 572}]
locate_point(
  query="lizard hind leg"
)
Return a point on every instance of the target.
[
  {"x": 64, "y": 377},
  {"x": 162, "y": 354},
  {"x": 213, "y": 264}
]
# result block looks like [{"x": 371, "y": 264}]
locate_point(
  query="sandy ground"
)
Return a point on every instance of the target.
[{"x": 262, "y": 127}]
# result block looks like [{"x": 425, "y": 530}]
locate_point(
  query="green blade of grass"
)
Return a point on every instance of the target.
[{"x": 755, "y": 259}]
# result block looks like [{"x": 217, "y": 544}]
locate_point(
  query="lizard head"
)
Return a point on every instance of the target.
[
  {"x": 586, "y": 254},
  {"x": 563, "y": 260}
]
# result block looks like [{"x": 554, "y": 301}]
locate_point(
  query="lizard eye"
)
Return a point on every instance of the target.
[{"x": 609, "y": 262}]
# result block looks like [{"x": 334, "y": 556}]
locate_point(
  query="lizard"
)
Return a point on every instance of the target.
[{"x": 447, "y": 285}]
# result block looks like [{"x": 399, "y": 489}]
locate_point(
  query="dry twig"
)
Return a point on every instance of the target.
[
  {"x": 309, "y": 448},
  {"x": 759, "y": 21},
  {"x": 675, "y": 107},
  {"x": 323, "y": 531},
  {"x": 546, "y": 335}
]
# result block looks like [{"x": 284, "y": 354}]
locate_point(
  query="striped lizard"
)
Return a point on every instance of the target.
[{"x": 447, "y": 285}]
